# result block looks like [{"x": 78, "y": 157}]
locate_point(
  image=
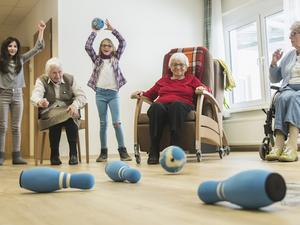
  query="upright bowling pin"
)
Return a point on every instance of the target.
[
  {"x": 120, "y": 171},
  {"x": 42, "y": 179},
  {"x": 249, "y": 189}
]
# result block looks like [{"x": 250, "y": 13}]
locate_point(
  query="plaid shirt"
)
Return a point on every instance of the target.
[{"x": 97, "y": 60}]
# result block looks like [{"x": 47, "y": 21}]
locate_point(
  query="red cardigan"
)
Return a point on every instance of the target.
[{"x": 167, "y": 90}]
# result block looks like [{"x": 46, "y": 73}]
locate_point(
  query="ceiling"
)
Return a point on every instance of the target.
[{"x": 12, "y": 13}]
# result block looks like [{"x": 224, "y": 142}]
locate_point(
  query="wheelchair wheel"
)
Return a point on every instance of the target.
[
  {"x": 221, "y": 153},
  {"x": 138, "y": 159},
  {"x": 264, "y": 149},
  {"x": 137, "y": 153},
  {"x": 198, "y": 155},
  {"x": 227, "y": 150}
]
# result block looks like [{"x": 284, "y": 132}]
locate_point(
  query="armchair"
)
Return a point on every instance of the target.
[{"x": 202, "y": 125}]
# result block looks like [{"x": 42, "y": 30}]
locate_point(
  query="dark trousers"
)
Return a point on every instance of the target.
[
  {"x": 72, "y": 135},
  {"x": 161, "y": 114}
]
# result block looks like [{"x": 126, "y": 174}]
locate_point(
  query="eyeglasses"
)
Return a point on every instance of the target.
[
  {"x": 104, "y": 45},
  {"x": 181, "y": 65},
  {"x": 293, "y": 34}
]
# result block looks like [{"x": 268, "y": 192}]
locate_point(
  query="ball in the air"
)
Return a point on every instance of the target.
[
  {"x": 172, "y": 159},
  {"x": 97, "y": 23}
]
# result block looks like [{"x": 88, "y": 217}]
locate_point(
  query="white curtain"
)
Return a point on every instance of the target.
[{"x": 217, "y": 38}]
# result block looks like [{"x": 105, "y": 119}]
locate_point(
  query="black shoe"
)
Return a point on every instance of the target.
[
  {"x": 123, "y": 154},
  {"x": 73, "y": 160},
  {"x": 55, "y": 161},
  {"x": 103, "y": 155},
  {"x": 153, "y": 159}
]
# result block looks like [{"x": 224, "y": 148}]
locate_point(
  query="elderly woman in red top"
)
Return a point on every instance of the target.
[{"x": 173, "y": 96}]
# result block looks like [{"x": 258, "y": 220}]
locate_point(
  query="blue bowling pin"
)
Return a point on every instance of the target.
[
  {"x": 43, "y": 180},
  {"x": 249, "y": 189},
  {"x": 119, "y": 171}
]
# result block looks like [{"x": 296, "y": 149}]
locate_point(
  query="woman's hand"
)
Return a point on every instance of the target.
[
  {"x": 41, "y": 26},
  {"x": 201, "y": 88},
  {"x": 43, "y": 103},
  {"x": 276, "y": 56},
  {"x": 108, "y": 26},
  {"x": 73, "y": 111},
  {"x": 137, "y": 94}
]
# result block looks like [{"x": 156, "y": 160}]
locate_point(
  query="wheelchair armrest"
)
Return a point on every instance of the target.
[{"x": 274, "y": 87}]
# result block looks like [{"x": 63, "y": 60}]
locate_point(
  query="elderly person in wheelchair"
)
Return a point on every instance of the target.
[
  {"x": 173, "y": 96},
  {"x": 287, "y": 108}
]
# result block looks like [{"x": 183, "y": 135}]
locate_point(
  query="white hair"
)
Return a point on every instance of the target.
[
  {"x": 295, "y": 27},
  {"x": 53, "y": 62},
  {"x": 180, "y": 57}
]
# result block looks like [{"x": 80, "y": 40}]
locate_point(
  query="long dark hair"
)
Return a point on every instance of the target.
[{"x": 5, "y": 56}]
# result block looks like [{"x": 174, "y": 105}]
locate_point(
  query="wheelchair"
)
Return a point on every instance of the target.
[{"x": 268, "y": 141}]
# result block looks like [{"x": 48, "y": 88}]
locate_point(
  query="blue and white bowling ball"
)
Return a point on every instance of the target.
[
  {"x": 172, "y": 159},
  {"x": 97, "y": 23}
]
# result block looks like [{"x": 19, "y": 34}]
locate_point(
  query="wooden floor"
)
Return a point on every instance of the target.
[{"x": 159, "y": 198}]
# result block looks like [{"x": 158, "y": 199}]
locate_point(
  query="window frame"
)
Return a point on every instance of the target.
[{"x": 256, "y": 12}]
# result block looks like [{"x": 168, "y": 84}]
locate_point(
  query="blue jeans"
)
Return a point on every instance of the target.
[
  {"x": 11, "y": 101},
  {"x": 109, "y": 98}
]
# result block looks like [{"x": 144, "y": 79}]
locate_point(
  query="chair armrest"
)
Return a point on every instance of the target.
[
  {"x": 137, "y": 113},
  {"x": 147, "y": 100},
  {"x": 143, "y": 98},
  {"x": 209, "y": 97},
  {"x": 216, "y": 112}
]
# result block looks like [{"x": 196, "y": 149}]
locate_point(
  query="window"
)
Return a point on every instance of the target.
[
  {"x": 275, "y": 36},
  {"x": 251, "y": 38},
  {"x": 244, "y": 64}
]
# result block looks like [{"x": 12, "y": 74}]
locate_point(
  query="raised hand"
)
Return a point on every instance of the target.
[
  {"x": 276, "y": 56},
  {"x": 41, "y": 25},
  {"x": 108, "y": 25}
]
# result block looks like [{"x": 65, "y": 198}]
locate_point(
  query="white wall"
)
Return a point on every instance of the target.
[
  {"x": 43, "y": 10},
  {"x": 150, "y": 27},
  {"x": 230, "y": 5}
]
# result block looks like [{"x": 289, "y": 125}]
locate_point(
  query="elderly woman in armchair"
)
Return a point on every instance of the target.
[{"x": 173, "y": 100}]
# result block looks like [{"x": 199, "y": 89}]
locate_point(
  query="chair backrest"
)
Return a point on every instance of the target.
[{"x": 200, "y": 63}]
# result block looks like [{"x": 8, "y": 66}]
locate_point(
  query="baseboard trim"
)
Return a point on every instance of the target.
[{"x": 245, "y": 148}]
